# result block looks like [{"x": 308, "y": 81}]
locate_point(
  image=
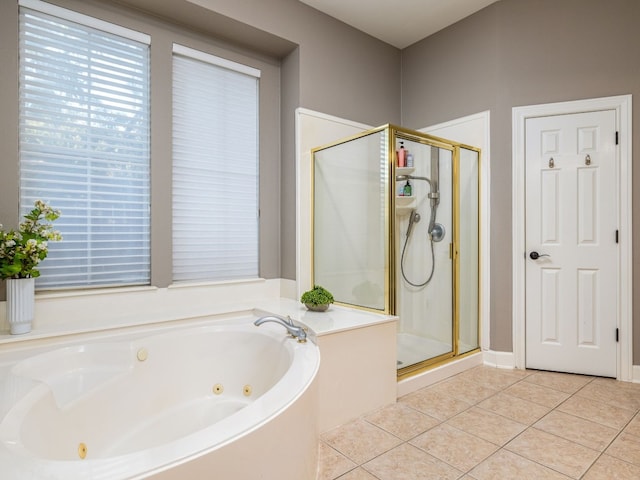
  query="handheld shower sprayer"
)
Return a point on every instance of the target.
[{"x": 414, "y": 217}]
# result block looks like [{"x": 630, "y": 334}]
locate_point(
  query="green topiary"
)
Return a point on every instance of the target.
[{"x": 317, "y": 296}]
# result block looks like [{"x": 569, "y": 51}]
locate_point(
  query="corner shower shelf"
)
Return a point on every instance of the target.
[
  {"x": 404, "y": 170},
  {"x": 405, "y": 204}
]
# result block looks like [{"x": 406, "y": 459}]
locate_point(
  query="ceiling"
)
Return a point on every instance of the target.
[{"x": 399, "y": 22}]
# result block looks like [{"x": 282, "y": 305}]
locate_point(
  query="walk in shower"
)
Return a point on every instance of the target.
[{"x": 396, "y": 230}]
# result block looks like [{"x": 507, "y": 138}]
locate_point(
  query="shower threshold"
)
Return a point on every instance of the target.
[{"x": 414, "y": 349}]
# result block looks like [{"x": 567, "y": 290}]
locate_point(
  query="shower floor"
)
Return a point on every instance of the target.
[{"x": 414, "y": 349}]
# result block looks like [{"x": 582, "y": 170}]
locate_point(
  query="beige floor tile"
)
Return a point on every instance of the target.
[
  {"x": 554, "y": 452},
  {"x": 596, "y": 411},
  {"x": 455, "y": 447},
  {"x": 626, "y": 447},
  {"x": 463, "y": 389},
  {"x": 459, "y": 425},
  {"x": 518, "y": 409},
  {"x": 613, "y": 393},
  {"x": 495, "y": 378},
  {"x": 537, "y": 394},
  {"x": 505, "y": 465},
  {"x": 578, "y": 430},
  {"x": 407, "y": 462},
  {"x": 435, "y": 404},
  {"x": 358, "y": 474},
  {"x": 633, "y": 388},
  {"x": 609, "y": 468},
  {"x": 487, "y": 425},
  {"x": 402, "y": 421},
  {"x": 332, "y": 464},
  {"x": 564, "y": 382},
  {"x": 360, "y": 441}
]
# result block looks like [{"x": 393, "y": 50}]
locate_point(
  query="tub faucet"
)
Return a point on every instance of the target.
[{"x": 294, "y": 330}]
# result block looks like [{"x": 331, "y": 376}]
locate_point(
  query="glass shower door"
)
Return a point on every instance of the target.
[
  {"x": 350, "y": 237},
  {"x": 469, "y": 255},
  {"x": 424, "y": 273}
]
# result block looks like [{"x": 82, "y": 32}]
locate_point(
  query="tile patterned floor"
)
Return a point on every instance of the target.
[{"x": 492, "y": 424}]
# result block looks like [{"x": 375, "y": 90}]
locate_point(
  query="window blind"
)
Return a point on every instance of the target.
[
  {"x": 215, "y": 168},
  {"x": 84, "y": 146}
]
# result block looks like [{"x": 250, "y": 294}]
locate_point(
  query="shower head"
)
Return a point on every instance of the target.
[{"x": 402, "y": 178}]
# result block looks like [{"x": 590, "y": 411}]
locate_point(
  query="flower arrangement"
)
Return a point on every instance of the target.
[{"x": 22, "y": 251}]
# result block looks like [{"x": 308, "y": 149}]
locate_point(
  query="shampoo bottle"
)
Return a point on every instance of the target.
[
  {"x": 407, "y": 189},
  {"x": 402, "y": 159}
]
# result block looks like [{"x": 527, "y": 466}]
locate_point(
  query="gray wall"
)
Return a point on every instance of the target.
[
  {"x": 325, "y": 66},
  {"x": 336, "y": 70},
  {"x": 342, "y": 71},
  {"x": 308, "y": 59},
  {"x": 514, "y": 52},
  {"x": 524, "y": 52}
]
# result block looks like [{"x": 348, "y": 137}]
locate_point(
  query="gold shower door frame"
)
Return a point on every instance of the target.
[{"x": 393, "y": 133}]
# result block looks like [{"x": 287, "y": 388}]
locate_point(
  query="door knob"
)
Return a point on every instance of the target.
[{"x": 536, "y": 255}]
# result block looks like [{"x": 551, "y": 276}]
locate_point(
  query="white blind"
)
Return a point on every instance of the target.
[
  {"x": 215, "y": 170},
  {"x": 84, "y": 148}
]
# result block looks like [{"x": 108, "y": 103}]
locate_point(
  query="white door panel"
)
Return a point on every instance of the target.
[{"x": 571, "y": 216}]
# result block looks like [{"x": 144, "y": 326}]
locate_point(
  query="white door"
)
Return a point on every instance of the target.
[{"x": 571, "y": 227}]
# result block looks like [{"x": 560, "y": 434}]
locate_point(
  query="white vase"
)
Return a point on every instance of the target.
[{"x": 20, "y": 304}]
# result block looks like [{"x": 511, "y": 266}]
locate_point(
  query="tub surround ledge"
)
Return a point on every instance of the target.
[
  {"x": 59, "y": 314},
  {"x": 358, "y": 352}
]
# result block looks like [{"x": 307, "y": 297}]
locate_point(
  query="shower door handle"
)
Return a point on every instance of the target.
[{"x": 535, "y": 255}]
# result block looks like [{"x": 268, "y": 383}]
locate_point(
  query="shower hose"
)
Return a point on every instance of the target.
[{"x": 433, "y": 264}]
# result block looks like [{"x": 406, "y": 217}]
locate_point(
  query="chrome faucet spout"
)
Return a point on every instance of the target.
[{"x": 295, "y": 331}]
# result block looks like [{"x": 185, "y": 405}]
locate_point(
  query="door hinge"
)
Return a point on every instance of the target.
[
  {"x": 617, "y": 334},
  {"x": 617, "y": 236},
  {"x": 616, "y": 138}
]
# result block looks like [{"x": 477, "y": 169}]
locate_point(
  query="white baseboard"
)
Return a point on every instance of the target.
[
  {"x": 492, "y": 358},
  {"x": 499, "y": 359}
]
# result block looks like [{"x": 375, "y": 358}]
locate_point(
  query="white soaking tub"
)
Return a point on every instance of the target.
[{"x": 231, "y": 401}]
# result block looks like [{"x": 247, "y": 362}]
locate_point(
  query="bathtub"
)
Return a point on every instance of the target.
[{"x": 231, "y": 401}]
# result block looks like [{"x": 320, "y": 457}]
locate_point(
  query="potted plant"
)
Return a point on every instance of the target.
[
  {"x": 20, "y": 253},
  {"x": 317, "y": 299}
]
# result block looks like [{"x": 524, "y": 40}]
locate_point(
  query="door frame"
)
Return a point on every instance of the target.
[{"x": 622, "y": 106}]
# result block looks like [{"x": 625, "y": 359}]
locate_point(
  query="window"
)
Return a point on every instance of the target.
[
  {"x": 84, "y": 144},
  {"x": 215, "y": 168}
]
